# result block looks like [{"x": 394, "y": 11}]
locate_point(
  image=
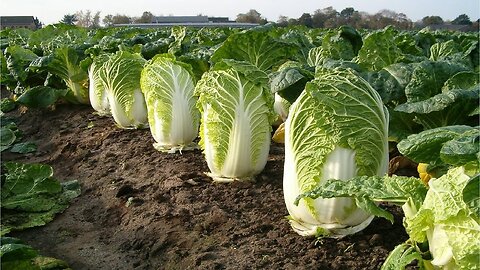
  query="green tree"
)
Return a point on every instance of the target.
[
  {"x": 387, "y": 17},
  {"x": 146, "y": 17},
  {"x": 429, "y": 20},
  {"x": 117, "y": 19},
  {"x": 306, "y": 19},
  {"x": 475, "y": 27},
  {"x": 96, "y": 20},
  {"x": 83, "y": 18},
  {"x": 462, "y": 20},
  {"x": 347, "y": 13},
  {"x": 38, "y": 23},
  {"x": 322, "y": 16},
  {"x": 108, "y": 20},
  {"x": 69, "y": 19},
  {"x": 350, "y": 16},
  {"x": 292, "y": 21},
  {"x": 87, "y": 19},
  {"x": 282, "y": 21},
  {"x": 252, "y": 16}
]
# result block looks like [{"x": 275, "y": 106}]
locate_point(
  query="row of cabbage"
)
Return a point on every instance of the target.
[
  {"x": 346, "y": 97},
  {"x": 419, "y": 75}
]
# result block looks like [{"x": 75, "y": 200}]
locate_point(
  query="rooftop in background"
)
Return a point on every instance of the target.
[
  {"x": 192, "y": 21},
  {"x": 18, "y": 22},
  {"x": 450, "y": 27},
  {"x": 180, "y": 19}
]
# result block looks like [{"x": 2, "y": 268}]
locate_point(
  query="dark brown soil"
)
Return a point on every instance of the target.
[{"x": 142, "y": 209}]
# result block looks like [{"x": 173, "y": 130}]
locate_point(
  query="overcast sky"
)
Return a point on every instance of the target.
[{"x": 52, "y": 11}]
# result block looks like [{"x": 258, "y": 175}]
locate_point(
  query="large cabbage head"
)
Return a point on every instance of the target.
[
  {"x": 172, "y": 113},
  {"x": 336, "y": 129},
  {"x": 236, "y": 115},
  {"x": 97, "y": 94},
  {"x": 120, "y": 76}
]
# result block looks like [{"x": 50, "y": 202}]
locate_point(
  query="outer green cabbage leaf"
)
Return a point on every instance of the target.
[
  {"x": 449, "y": 50},
  {"x": 428, "y": 78},
  {"x": 7, "y": 105},
  {"x": 471, "y": 194},
  {"x": 9, "y": 133},
  {"x": 65, "y": 63},
  {"x": 7, "y": 138},
  {"x": 120, "y": 76},
  {"x": 180, "y": 35},
  {"x": 198, "y": 59},
  {"x": 19, "y": 36},
  {"x": 17, "y": 59},
  {"x": 257, "y": 47},
  {"x": 463, "y": 149},
  {"x": 407, "y": 43},
  {"x": 426, "y": 146},
  {"x": 337, "y": 128},
  {"x": 10, "y": 137},
  {"x": 425, "y": 39},
  {"x": 243, "y": 67},
  {"x": 32, "y": 197},
  {"x": 16, "y": 255},
  {"x": 41, "y": 96},
  {"x": 47, "y": 39},
  {"x": 341, "y": 44},
  {"x": 290, "y": 79},
  {"x": 315, "y": 57},
  {"x": 298, "y": 38},
  {"x": 17, "y": 75},
  {"x": 379, "y": 50},
  {"x": 150, "y": 49},
  {"x": 5, "y": 77},
  {"x": 445, "y": 51},
  {"x": 462, "y": 80},
  {"x": 23, "y": 148},
  {"x": 448, "y": 108},
  {"x": 441, "y": 94},
  {"x": 390, "y": 82},
  {"x": 208, "y": 37},
  {"x": 369, "y": 190},
  {"x": 387, "y": 86},
  {"x": 236, "y": 108},
  {"x": 172, "y": 113},
  {"x": 471, "y": 48}
]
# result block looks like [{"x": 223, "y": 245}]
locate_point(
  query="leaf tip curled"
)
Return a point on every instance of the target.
[{"x": 297, "y": 200}]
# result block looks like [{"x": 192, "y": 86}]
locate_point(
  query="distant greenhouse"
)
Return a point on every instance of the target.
[{"x": 192, "y": 21}]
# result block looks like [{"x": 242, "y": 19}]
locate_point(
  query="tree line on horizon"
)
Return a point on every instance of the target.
[{"x": 321, "y": 18}]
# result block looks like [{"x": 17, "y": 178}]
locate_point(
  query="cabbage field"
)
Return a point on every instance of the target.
[{"x": 219, "y": 148}]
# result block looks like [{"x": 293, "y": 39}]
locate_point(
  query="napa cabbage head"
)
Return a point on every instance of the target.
[
  {"x": 120, "y": 76},
  {"x": 449, "y": 220},
  {"x": 236, "y": 108},
  {"x": 281, "y": 107},
  {"x": 336, "y": 129},
  {"x": 169, "y": 87},
  {"x": 97, "y": 94}
]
